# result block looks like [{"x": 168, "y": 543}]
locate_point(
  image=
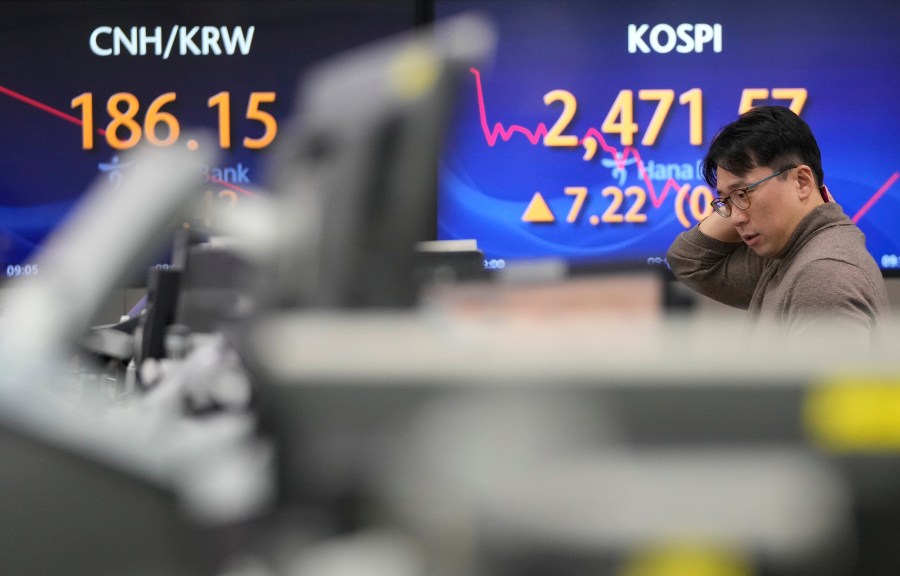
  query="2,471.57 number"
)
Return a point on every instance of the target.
[{"x": 620, "y": 119}]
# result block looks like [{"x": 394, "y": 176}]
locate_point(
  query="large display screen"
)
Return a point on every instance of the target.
[
  {"x": 83, "y": 82},
  {"x": 583, "y": 140}
]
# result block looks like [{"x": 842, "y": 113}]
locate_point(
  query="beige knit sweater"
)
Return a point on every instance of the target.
[{"x": 823, "y": 276}]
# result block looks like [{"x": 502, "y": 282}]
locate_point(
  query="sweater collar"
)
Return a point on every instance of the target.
[{"x": 821, "y": 217}]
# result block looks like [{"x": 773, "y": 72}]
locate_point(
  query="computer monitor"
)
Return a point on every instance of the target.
[
  {"x": 84, "y": 82},
  {"x": 583, "y": 141}
]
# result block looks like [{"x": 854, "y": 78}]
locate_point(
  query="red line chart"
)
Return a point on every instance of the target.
[
  {"x": 535, "y": 135},
  {"x": 875, "y": 197},
  {"x": 45, "y": 108}
]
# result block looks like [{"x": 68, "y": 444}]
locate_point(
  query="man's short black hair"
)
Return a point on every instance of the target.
[{"x": 770, "y": 136}]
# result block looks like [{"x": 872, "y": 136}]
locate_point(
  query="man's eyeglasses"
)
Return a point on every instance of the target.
[{"x": 740, "y": 197}]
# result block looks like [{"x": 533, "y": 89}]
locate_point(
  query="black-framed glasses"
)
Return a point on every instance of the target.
[{"x": 740, "y": 197}]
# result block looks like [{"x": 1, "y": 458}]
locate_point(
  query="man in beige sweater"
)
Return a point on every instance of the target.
[{"x": 778, "y": 245}]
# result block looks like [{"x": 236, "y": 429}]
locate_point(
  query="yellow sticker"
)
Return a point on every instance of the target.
[
  {"x": 687, "y": 560},
  {"x": 856, "y": 414},
  {"x": 414, "y": 72}
]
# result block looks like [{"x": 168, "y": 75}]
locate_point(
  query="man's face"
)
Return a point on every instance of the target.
[{"x": 774, "y": 210}]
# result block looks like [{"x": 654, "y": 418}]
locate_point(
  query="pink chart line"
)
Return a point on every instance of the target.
[
  {"x": 535, "y": 136},
  {"x": 221, "y": 182},
  {"x": 875, "y": 197},
  {"x": 45, "y": 108}
]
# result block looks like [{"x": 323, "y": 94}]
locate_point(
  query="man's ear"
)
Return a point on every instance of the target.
[{"x": 806, "y": 182}]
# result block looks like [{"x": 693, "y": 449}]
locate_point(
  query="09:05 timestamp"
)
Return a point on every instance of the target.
[
  {"x": 16, "y": 270},
  {"x": 161, "y": 127}
]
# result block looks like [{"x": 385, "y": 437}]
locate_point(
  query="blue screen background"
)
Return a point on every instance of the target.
[{"x": 844, "y": 56}]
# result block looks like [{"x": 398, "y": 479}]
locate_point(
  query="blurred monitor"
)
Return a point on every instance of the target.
[
  {"x": 356, "y": 167},
  {"x": 73, "y": 511}
]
